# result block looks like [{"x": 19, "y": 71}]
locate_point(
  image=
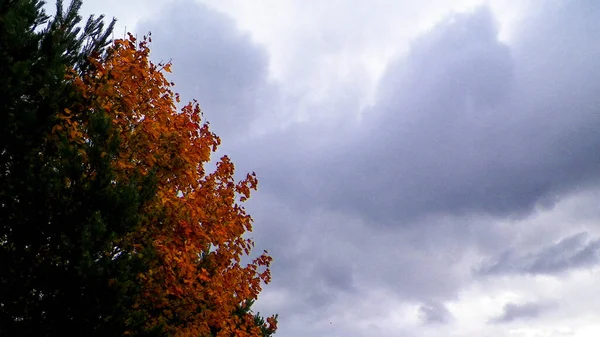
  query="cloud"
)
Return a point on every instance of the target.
[
  {"x": 467, "y": 138},
  {"x": 458, "y": 137},
  {"x": 466, "y": 129},
  {"x": 434, "y": 313},
  {"x": 573, "y": 252},
  {"x": 518, "y": 311},
  {"x": 215, "y": 63},
  {"x": 463, "y": 124}
]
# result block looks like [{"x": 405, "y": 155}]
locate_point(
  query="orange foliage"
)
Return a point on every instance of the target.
[{"x": 195, "y": 223}]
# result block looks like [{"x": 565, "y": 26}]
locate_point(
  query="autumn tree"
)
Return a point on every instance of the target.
[
  {"x": 110, "y": 223},
  {"x": 196, "y": 222}
]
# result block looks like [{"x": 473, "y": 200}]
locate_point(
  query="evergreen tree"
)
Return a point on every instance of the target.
[
  {"x": 267, "y": 327},
  {"x": 62, "y": 216}
]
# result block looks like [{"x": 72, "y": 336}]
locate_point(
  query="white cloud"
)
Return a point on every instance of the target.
[{"x": 318, "y": 47}]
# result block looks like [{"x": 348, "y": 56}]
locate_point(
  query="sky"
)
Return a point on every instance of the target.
[{"x": 426, "y": 168}]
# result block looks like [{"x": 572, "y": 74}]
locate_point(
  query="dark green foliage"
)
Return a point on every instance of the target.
[
  {"x": 62, "y": 219},
  {"x": 246, "y": 309}
]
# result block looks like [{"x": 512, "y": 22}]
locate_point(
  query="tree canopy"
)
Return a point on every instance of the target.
[{"x": 110, "y": 223}]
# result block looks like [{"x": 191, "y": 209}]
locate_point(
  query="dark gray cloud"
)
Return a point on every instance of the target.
[
  {"x": 464, "y": 124},
  {"x": 574, "y": 252},
  {"x": 328, "y": 257},
  {"x": 213, "y": 62},
  {"x": 519, "y": 311}
]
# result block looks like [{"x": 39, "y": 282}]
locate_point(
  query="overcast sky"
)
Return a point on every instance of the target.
[{"x": 427, "y": 168}]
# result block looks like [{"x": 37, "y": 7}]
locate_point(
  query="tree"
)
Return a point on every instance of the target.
[
  {"x": 109, "y": 224},
  {"x": 267, "y": 327},
  {"x": 196, "y": 223},
  {"x": 61, "y": 217}
]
